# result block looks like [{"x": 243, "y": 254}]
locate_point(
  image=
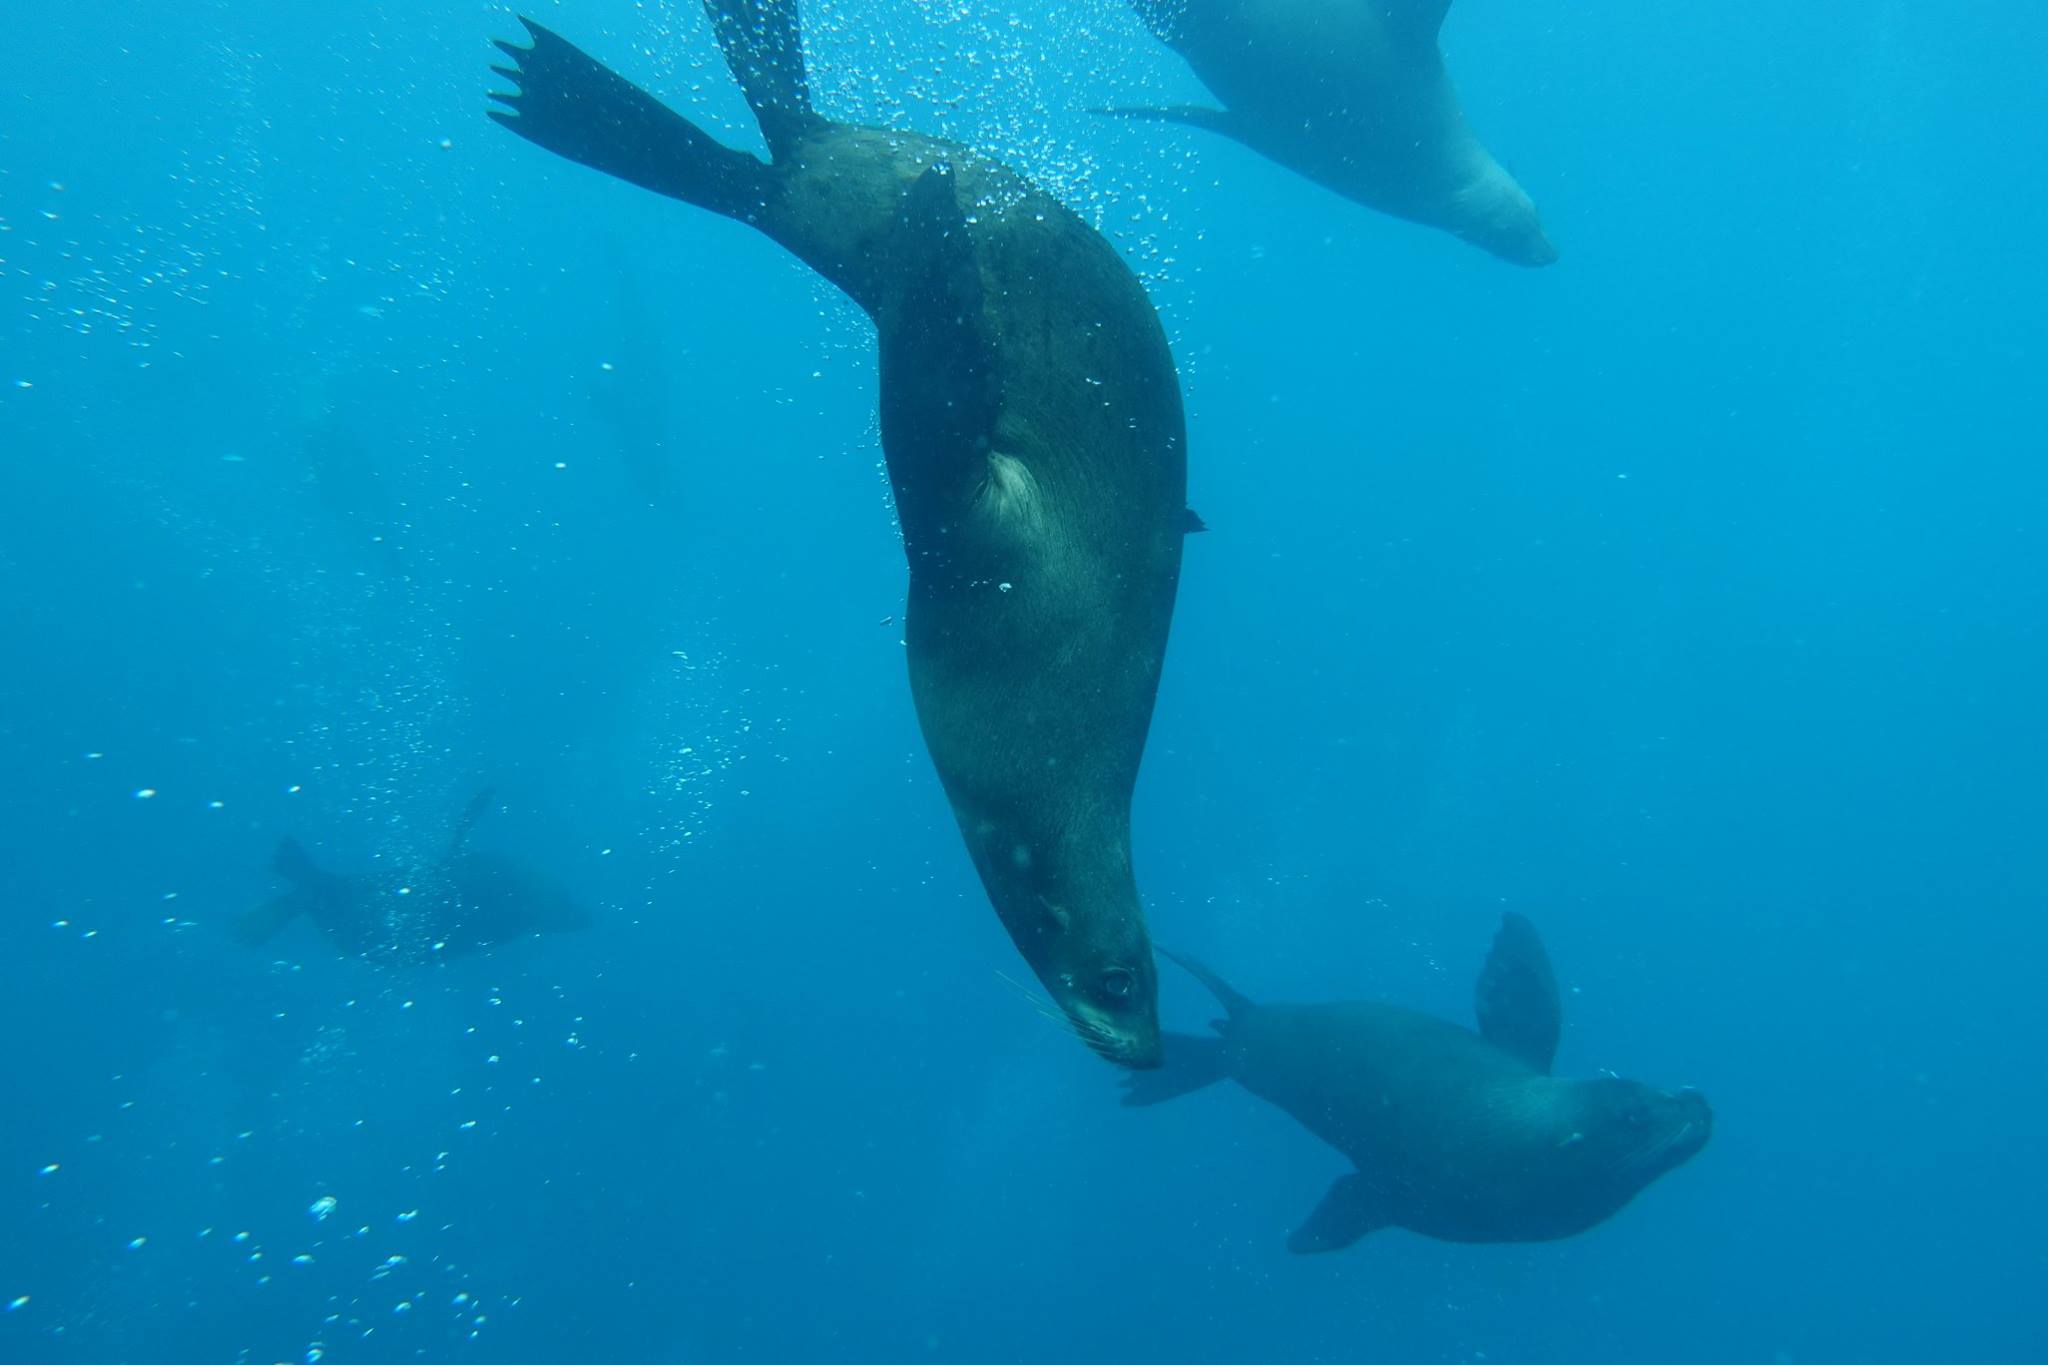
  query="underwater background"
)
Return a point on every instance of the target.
[{"x": 1686, "y": 596}]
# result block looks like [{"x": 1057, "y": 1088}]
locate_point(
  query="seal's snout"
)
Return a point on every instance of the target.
[
  {"x": 1517, "y": 236},
  {"x": 1695, "y": 1123},
  {"x": 1134, "y": 1045},
  {"x": 1696, "y": 1109},
  {"x": 1142, "y": 1054}
]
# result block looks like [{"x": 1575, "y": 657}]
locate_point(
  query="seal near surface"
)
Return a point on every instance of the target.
[
  {"x": 1031, "y": 420},
  {"x": 1456, "y": 1135},
  {"x": 1352, "y": 94}
]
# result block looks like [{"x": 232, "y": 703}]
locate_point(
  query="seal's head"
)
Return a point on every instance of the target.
[
  {"x": 1099, "y": 971},
  {"x": 1625, "y": 1134}
]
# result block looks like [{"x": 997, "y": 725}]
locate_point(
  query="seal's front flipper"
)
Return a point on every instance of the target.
[
  {"x": 1163, "y": 17},
  {"x": 1191, "y": 1063},
  {"x": 571, "y": 104},
  {"x": 1517, "y": 995},
  {"x": 940, "y": 390},
  {"x": 1350, "y": 1209},
  {"x": 1419, "y": 21},
  {"x": 1193, "y": 115},
  {"x": 1235, "y": 1003},
  {"x": 1191, "y": 522}
]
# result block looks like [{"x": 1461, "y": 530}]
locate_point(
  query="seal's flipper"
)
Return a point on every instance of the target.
[
  {"x": 1416, "y": 20},
  {"x": 1350, "y": 1209},
  {"x": 570, "y": 103},
  {"x": 940, "y": 390},
  {"x": 478, "y": 807},
  {"x": 1162, "y": 17},
  {"x": 1234, "y": 1002},
  {"x": 1192, "y": 1062},
  {"x": 1191, "y": 522},
  {"x": 763, "y": 45},
  {"x": 1517, "y": 995},
  {"x": 295, "y": 865},
  {"x": 1193, "y": 115},
  {"x": 261, "y": 924}
]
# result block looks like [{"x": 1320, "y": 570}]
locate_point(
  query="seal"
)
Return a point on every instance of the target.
[
  {"x": 1031, "y": 421},
  {"x": 462, "y": 902},
  {"x": 1460, "y": 1136},
  {"x": 1352, "y": 94}
]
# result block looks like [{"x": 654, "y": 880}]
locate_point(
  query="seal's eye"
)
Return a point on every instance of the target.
[{"x": 1118, "y": 983}]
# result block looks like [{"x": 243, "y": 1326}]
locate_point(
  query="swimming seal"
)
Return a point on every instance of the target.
[
  {"x": 1461, "y": 1136},
  {"x": 1031, "y": 420},
  {"x": 1352, "y": 94},
  {"x": 461, "y": 902}
]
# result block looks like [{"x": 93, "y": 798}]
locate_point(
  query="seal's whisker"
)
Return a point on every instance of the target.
[{"x": 1021, "y": 989}]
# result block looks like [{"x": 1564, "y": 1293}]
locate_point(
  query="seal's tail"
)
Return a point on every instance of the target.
[
  {"x": 568, "y": 102},
  {"x": 1191, "y": 1063}
]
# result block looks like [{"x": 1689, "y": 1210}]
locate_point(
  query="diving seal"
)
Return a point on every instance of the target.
[
  {"x": 1460, "y": 1136},
  {"x": 1352, "y": 94},
  {"x": 1031, "y": 420}
]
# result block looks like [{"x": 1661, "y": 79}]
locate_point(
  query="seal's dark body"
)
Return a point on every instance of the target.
[
  {"x": 1032, "y": 424},
  {"x": 1457, "y": 1135}
]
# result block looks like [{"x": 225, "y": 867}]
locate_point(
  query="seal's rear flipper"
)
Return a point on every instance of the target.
[
  {"x": 1350, "y": 1209},
  {"x": 764, "y": 47},
  {"x": 571, "y": 104},
  {"x": 262, "y": 924},
  {"x": 294, "y": 864},
  {"x": 1191, "y": 1063},
  {"x": 1517, "y": 995}
]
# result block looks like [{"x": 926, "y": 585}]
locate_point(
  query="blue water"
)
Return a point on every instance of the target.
[{"x": 1686, "y": 596}]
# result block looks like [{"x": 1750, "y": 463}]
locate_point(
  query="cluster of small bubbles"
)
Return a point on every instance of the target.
[
  {"x": 707, "y": 727},
  {"x": 105, "y": 271},
  {"x": 698, "y": 749},
  {"x": 328, "y": 1051},
  {"x": 382, "y": 708}
]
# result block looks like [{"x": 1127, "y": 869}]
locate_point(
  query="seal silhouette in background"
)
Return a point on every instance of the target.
[
  {"x": 1457, "y": 1135},
  {"x": 1031, "y": 419},
  {"x": 1352, "y": 94},
  {"x": 462, "y": 902}
]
